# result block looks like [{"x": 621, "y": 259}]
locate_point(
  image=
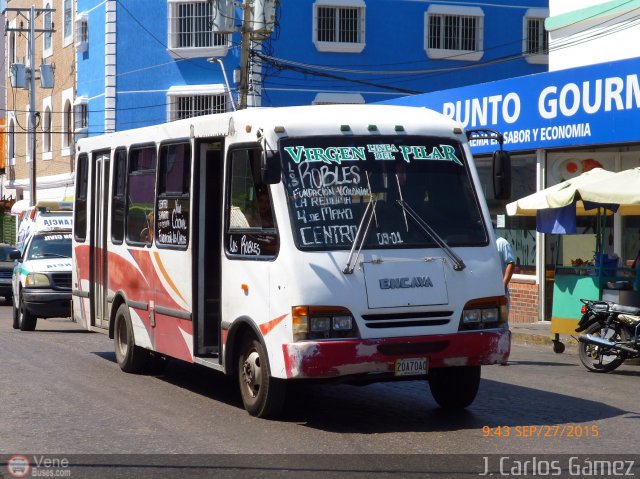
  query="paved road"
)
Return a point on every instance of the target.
[{"x": 62, "y": 393}]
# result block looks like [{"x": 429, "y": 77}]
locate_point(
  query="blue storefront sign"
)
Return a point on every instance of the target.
[{"x": 592, "y": 105}]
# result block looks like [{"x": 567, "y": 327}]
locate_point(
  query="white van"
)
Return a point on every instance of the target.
[
  {"x": 44, "y": 215},
  {"x": 42, "y": 275}
]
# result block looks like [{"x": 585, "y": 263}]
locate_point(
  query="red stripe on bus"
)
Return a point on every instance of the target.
[{"x": 266, "y": 328}]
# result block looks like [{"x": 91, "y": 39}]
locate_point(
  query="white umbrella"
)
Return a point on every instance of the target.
[
  {"x": 556, "y": 196},
  {"x": 19, "y": 206},
  {"x": 622, "y": 188}
]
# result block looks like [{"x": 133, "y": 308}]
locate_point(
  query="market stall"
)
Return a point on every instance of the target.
[{"x": 585, "y": 271}]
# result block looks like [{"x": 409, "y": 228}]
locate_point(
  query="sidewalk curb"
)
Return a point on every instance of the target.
[{"x": 538, "y": 339}]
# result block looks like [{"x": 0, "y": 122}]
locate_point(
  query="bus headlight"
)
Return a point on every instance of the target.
[
  {"x": 490, "y": 315},
  {"x": 342, "y": 323},
  {"x": 322, "y": 322},
  {"x": 471, "y": 316},
  {"x": 36, "y": 280},
  {"x": 484, "y": 313}
]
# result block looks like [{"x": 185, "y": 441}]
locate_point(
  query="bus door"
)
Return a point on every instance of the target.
[
  {"x": 98, "y": 260},
  {"x": 208, "y": 186}
]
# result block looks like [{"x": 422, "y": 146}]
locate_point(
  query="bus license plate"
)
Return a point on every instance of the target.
[{"x": 411, "y": 366}]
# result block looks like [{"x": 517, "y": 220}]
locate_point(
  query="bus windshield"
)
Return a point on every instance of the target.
[{"x": 341, "y": 187}]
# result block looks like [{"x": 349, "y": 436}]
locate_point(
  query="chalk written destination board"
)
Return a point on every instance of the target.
[
  {"x": 331, "y": 181},
  {"x": 172, "y": 222}
]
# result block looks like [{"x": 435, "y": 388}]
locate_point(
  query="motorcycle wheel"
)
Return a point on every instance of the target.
[{"x": 600, "y": 359}]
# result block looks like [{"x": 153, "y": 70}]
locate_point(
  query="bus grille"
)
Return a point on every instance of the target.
[
  {"x": 407, "y": 320},
  {"x": 61, "y": 280}
]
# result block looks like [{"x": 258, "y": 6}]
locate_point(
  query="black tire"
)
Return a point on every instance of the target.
[
  {"x": 558, "y": 347},
  {"x": 600, "y": 359},
  {"x": 130, "y": 358},
  {"x": 454, "y": 388},
  {"x": 26, "y": 320},
  {"x": 16, "y": 323},
  {"x": 262, "y": 395}
]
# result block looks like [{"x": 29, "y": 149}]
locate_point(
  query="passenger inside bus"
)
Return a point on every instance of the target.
[
  {"x": 254, "y": 213},
  {"x": 146, "y": 234}
]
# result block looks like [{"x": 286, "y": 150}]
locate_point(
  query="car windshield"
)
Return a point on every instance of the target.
[
  {"x": 5, "y": 251},
  {"x": 331, "y": 181},
  {"x": 50, "y": 245}
]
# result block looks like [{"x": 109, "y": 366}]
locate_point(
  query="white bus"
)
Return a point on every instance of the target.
[{"x": 321, "y": 242}]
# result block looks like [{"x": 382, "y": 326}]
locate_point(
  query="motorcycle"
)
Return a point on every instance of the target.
[{"x": 611, "y": 335}]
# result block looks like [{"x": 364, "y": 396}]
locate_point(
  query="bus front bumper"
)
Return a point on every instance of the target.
[{"x": 334, "y": 359}]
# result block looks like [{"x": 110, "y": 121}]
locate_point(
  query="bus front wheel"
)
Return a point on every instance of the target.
[
  {"x": 130, "y": 358},
  {"x": 454, "y": 387},
  {"x": 262, "y": 395}
]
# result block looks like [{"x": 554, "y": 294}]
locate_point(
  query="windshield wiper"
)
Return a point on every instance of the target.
[
  {"x": 371, "y": 206},
  {"x": 370, "y": 211},
  {"x": 54, "y": 255},
  {"x": 458, "y": 264}
]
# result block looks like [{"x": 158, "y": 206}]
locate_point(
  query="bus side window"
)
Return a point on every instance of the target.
[
  {"x": 250, "y": 203},
  {"x": 80, "y": 220},
  {"x": 118, "y": 196},
  {"x": 173, "y": 203},
  {"x": 250, "y": 212},
  {"x": 141, "y": 185}
]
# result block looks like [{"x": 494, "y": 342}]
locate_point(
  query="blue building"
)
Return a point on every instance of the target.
[{"x": 143, "y": 62}]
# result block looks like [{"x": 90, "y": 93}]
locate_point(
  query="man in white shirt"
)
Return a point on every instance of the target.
[{"x": 507, "y": 261}]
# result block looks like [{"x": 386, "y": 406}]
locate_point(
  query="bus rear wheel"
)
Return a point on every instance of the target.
[
  {"x": 262, "y": 395},
  {"x": 454, "y": 387},
  {"x": 130, "y": 358}
]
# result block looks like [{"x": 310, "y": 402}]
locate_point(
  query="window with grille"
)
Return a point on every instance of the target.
[
  {"x": 82, "y": 32},
  {"x": 11, "y": 142},
  {"x": 454, "y": 33},
  {"x": 48, "y": 36},
  {"x": 187, "y": 106},
  {"x": 46, "y": 131},
  {"x": 67, "y": 21},
  {"x": 339, "y": 27},
  {"x": 535, "y": 43},
  {"x": 199, "y": 28},
  {"x": 80, "y": 116},
  {"x": 67, "y": 122}
]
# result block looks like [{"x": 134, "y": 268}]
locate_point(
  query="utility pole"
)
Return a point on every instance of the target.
[
  {"x": 31, "y": 30},
  {"x": 245, "y": 45},
  {"x": 258, "y": 21}
]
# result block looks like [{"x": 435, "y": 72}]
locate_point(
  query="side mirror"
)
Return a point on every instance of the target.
[
  {"x": 270, "y": 167},
  {"x": 266, "y": 167},
  {"x": 501, "y": 175},
  {"x": 15, "y": 255}
]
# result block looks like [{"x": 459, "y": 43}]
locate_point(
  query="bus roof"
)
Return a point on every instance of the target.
[{"x": 341, "y": 120}]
